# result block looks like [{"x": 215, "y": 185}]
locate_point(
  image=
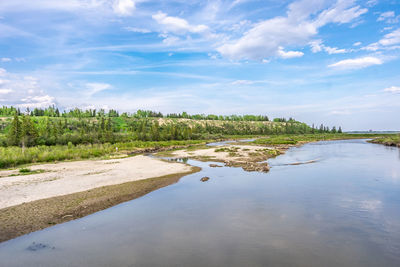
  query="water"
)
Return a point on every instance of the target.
[{"x": 342, "y": 210}]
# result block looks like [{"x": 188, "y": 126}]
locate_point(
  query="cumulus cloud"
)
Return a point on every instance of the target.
[
  {"x": 6, "y": 59},
  {"x": 301, "y": 23},
  {"x": 41, "y": 101},
  {"x": 356, "y": 63},
  {"x": 289, "y": 54},
  {"x": 22, "y": 91},
  {"x": 124, "y": 7},
  {"x": 177, "y": 25},
  {"x": 392, "y": 89}
]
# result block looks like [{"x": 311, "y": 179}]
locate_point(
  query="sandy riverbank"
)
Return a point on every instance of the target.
[
  {"x": 71, "y": 190},
  {"x": 71, "y": 177}
]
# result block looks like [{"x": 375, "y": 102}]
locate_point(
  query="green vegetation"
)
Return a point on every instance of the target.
[
  {"x": 50, "y": 127},
  {"x": 388, "y": 140},
  {"x": 48, "y": 135},
  {"x": 27, "y": 171},
  {"x": 227, "y": 149},
  {"x": 14, "y": 156},
  {"x": 24, "y": 170},
  {"x": 296, "y": 139}
]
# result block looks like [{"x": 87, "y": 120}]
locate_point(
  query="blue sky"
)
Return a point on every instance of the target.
[{"x": 320, "y": 61}]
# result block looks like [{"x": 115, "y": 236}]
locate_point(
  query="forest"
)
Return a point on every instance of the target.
[
  {"x": 48, "y": 135},
  {"x": 51, "y": 127}
]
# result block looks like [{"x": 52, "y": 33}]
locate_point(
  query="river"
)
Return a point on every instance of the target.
[{"x": 341, "y": 210}]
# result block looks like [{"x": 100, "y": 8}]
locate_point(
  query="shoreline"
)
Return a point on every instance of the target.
[{"x": 36, "y": 215}]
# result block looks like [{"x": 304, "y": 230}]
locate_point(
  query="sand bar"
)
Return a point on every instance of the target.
[{"x": 70, "y": 177}]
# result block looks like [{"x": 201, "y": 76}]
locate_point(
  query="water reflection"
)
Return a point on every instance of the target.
[{"x": 340, "y": 211}]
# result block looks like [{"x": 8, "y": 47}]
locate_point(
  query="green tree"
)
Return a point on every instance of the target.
[
  {"x": 14, "y": 133},
  {"x": 28, "y": 132}
]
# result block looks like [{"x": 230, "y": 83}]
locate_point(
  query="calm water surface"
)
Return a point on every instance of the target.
[{"x": 343, "y": 210}]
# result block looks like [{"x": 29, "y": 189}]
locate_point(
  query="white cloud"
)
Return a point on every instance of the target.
[
  {"x": 139, "y": 30},
  {"x": 6, "y": 59},
  {"x": 170, "y": 40},
  {"x": 265, "y": 38},
  {"x": 124, "y": 7},
  {"x": 302, "y": 22},
  {"x": 23, "y": 91},
  {"x": 389, "y": 41},
  {"x": 391, "y": 38},
  {"x": 94, "y": 88},
  {"x": 99, "y": 7},
  {"x": 289, "y": 54},
  {"x": 356, "y": 63},
  {"x": 389, "y": 17},
  {"x": 318, "y": 46},
  {"x": 5, "y": 91},
  {"x": 37, "y": 102},
  {"x": 357, "y": 44},
  {"x": 177, "y": 25},
  {"x": 342, "y": 12},
  {"x": 372, "y": 3},
  {"x": 242, "y": 82},
  {"x": 335, "y": 50},
  {"x": 385, "y": 15},
  {"x": 392, "y": 89}
]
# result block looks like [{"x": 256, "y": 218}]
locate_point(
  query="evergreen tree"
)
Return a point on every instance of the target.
[
  {"x": 14, "y": 134},
  {"x": 28, "y": 132}
]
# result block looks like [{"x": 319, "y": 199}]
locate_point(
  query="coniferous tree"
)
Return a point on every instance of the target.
[
  {"x": 28, "y": 132},
  {"x": 14, "y": 134}
]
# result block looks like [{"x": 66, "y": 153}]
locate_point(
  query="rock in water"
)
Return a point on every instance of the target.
[
  {"x": 214, "y": 165},
  {"x": 205, "y": 179}
]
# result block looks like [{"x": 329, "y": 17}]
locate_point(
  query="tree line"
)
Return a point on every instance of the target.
[
  {"x": 53, "y": 111},
  {"x": 26, "y": 130}
]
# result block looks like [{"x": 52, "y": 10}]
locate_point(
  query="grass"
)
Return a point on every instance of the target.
[
  {"x": 16, "y": 156},
  {"x": 227, "y": 149},
  {"x": 298, "y": 139},
  {"x": 27, "y": 171},
  {"x": 390, "y": 140}
]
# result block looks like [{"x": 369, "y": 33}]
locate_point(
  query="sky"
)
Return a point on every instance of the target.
[{"x": 335, "y": 62}]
